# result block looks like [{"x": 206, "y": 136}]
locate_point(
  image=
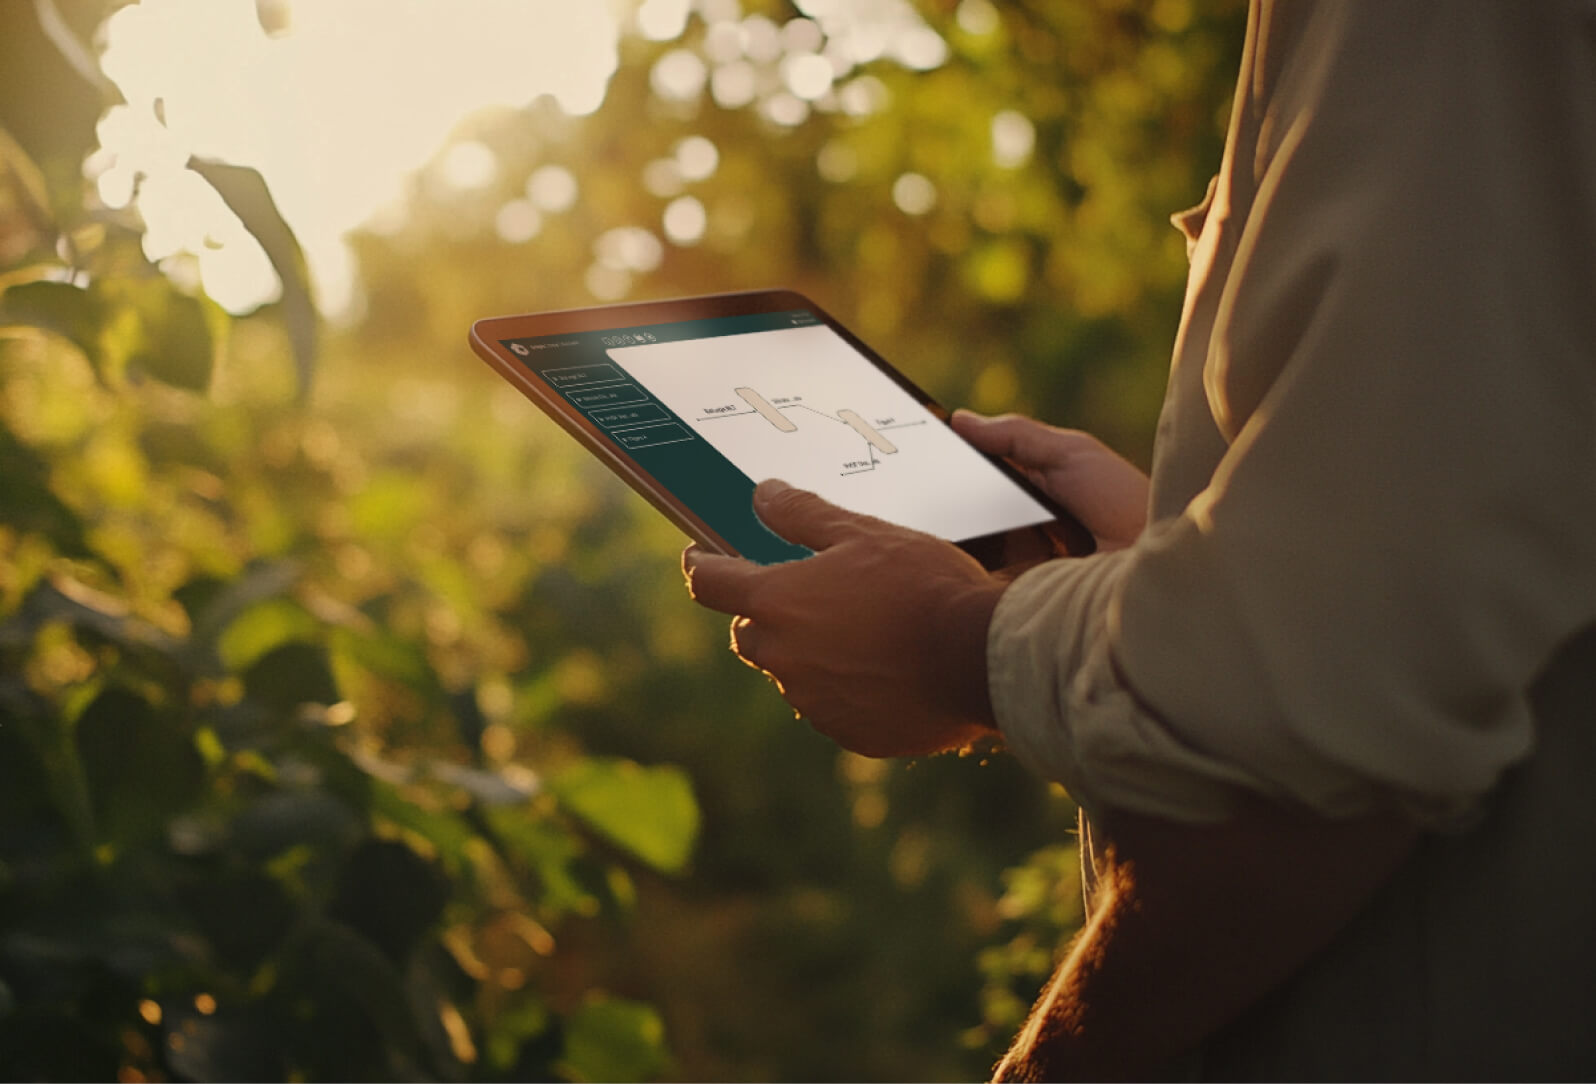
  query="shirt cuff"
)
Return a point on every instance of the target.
[{"x": 1067, "y": 716}]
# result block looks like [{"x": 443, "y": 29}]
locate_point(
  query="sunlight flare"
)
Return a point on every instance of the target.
[{"x": 336, "y": 112}]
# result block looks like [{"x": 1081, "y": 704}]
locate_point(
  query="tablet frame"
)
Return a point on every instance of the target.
[{"x": 1063, "y": 536}]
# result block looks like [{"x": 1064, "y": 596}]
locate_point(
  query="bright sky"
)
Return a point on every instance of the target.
[{"x": 356, "y": 95}]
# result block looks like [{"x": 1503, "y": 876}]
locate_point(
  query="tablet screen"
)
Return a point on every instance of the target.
[{"x": 710, "y": 407}]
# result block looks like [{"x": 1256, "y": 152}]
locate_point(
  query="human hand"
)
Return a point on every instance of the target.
[
  {"x": 1100, "y": 488},
  {"x": 878, "y": 640}
]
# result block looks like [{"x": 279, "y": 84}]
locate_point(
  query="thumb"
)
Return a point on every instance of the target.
[{"x": 804, "y": 517}]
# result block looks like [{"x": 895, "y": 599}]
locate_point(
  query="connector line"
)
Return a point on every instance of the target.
[
  {"x": 812, "y": 410},
  {"x": 851, "y": 418},
  {"x": 829, "y": 417},
  {"x": 874, "y": 441},
  {"x": 862, "y": 427}
]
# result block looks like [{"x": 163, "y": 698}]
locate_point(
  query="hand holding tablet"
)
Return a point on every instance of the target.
[{"x": 694, "y": 401}]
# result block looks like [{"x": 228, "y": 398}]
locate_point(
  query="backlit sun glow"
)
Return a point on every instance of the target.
[
  {"x": 335, "y": 114},
  {"x": 339, "y": 109}
]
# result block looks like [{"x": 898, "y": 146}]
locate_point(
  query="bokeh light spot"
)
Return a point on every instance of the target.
[
  {"x": 723, "y": 42},
  {"x": 662, "y": 20},
  {"x": 914, "y": 194},
  {"x": 552, "y": 188},
  {"x": 761, "y": 39},
  {"x": 808, "y": 75},
  {"x": 469, "y": 165},
  {"x": 1013, "y": 139},
  {"x": 734, "y": 85},
  {"x": 720, "y": 11},
  {"x": 800, "y": 36},
  {"x": 685, "y": 220},
  {"x": 518, "y": 221},
  {"x": 697, "y": 158},
  {"x": 864, "y": 96},
  {"x": 679, "y": 76},
  {"x": 628, "y": 248},
  {"x": 784, "y": 109},
  {"x": 978, "y": 17},
  {"x": 920, "y": 48}
]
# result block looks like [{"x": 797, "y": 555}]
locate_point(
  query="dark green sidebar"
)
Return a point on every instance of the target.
[{"x": 663, "y": 444}]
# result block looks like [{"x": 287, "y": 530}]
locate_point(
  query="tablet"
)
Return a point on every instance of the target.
[{"x": 693, "y": 401}]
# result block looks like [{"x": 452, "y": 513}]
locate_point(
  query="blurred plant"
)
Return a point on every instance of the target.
[
  {"x": 1041, "y": 907},
  {"x": 212, "y": 864},
  {"x": 336, "y": 730}
]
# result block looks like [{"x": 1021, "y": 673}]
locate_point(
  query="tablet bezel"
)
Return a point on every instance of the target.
[{"x": 1063, "y": 536}]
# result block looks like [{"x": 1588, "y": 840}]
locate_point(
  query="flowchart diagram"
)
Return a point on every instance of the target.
[
  {"x": 802, "y": 405},
  {"x": 779, "y": 410}
]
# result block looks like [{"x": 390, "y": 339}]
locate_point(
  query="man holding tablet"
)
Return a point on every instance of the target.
[{"x": 1329, "y": 713}]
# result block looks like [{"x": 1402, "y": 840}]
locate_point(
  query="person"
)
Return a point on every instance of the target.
[{"x": 1326, "y": 692}]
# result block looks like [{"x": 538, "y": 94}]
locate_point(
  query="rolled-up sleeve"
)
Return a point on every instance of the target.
[
  {"x": 1066, "y": 714},
  {"x": 1402, "y": 528}
]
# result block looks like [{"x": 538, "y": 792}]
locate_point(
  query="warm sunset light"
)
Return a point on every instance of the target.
[
  {"x": 356, "y": 722},
  {"x": 342, "y": 105},
  {"x": 336, "y": 112}
]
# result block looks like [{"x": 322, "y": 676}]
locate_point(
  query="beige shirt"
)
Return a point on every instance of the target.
[{"x": 1370, "y": 569}]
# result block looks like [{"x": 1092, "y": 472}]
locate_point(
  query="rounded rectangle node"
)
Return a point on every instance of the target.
[
  {"x": 864, "y": 429},
  {"x": 768, "y": 412}
]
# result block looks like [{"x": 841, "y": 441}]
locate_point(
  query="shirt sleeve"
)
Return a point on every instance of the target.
[
  {"x": 1067, "y": 716},
  {"x": 1403, "y": 528}
]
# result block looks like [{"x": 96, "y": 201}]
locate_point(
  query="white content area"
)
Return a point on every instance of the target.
[{"x": 851, "y": 434}]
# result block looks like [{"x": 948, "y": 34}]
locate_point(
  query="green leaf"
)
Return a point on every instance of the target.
[
  {"x": 391, "y": 895},
  {"x": 551, "y": 850},
  {"x": 24, "y": 775},
  {"x": 245, "y": 192},
  {"x": 614, "y": 1039},
  {"x": 262, "y": 627},
  {"x": 290, "y": 675},
  {"x": 442, "y": 828},
  {"x": 151, "y": 326},
  {"x": 69, "y": 311},
  {"x": 388, "y": 506},
  {"x": 43, "y": 750},
  {"x": 241, "y": 911},
  {"x": 27, "y": 501},
  {"x": 67, "y": 600},
  {"x": 146, "y": 324},
  {"x": 357, "y": 1005},
  {"x": 650, "y": 812},
  {"x": 213, "y": 605},
  {"x": 517, "y": 1036},
  {"x": 380, "y": 652},
  {"x": 140, "y": 766}
]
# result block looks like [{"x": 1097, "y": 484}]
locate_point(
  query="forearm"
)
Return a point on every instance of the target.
[{"x": 1192, "y": 924}]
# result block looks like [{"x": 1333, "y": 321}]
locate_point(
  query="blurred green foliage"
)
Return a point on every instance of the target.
[{"x": 371, "y": 735}]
